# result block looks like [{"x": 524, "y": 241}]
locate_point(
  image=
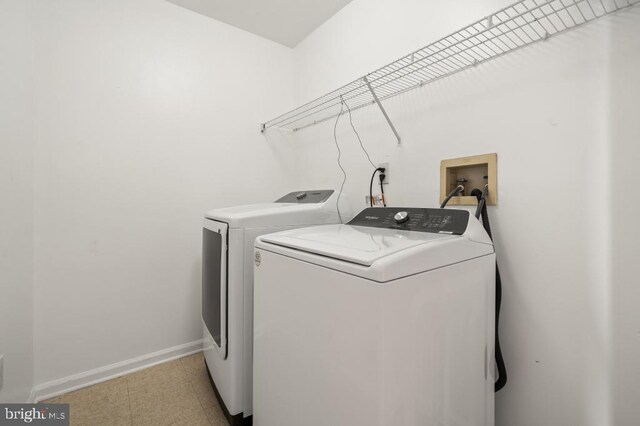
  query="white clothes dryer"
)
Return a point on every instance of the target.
[
  {"x": 227, "y": 286},
  {"x": 388, "y": 320}
]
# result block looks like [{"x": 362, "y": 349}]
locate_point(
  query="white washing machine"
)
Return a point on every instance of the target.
[
  {"x": 227, "y": 286},
  {"x": 388, "y": 320}
]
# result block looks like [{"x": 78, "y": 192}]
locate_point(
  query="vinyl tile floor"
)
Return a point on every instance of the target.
[{"x": 173, "y": 393}]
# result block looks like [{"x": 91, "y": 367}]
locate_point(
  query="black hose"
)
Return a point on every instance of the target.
[
  {"x": 502, "y": 369},
  {"x": 456, "y": 190},
  {"x": 482, "y": 199}
]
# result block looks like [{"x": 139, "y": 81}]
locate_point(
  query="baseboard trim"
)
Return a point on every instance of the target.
[
  {"x": 77, "y": 381},
  {"x": 32, "y": 396}
]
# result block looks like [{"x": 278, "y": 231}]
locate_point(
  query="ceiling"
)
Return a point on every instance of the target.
[{"x": 286, "y": 22}]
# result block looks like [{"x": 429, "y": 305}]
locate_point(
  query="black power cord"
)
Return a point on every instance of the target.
[
  {"x": 376, "y": 169},
  {"x": 381, "y": 170},
  {"x": 382, "y": 176},
  {"x": 482, "y": 211}
]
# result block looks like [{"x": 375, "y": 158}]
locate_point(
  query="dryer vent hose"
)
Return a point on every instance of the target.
[{"x": 482, "y": 211}]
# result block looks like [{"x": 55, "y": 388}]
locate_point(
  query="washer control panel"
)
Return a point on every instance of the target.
[
  {"x": 401, "y": 217},
  {"x": 438, "y": 221}
]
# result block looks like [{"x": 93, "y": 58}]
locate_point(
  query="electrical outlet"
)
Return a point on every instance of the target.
[
  {"x": 1, "y": 371},
  {"x": 377, "y": 200},
  {"x": 386, "y": 172}
]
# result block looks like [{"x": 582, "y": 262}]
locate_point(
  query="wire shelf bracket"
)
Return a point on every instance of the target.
[
  {"x": 518, "y": 25},
  {"x": 384, "y": 112}
]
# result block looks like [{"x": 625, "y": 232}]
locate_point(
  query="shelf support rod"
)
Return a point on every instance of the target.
[{"x": 375, "y": 98}]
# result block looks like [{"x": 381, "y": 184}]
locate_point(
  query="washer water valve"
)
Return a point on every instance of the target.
[{"x": 462, "y": 181}]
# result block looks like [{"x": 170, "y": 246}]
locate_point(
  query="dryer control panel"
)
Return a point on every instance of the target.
[
  {"x": 438, "y": 221},
  {"x": 308, "y": 196}
]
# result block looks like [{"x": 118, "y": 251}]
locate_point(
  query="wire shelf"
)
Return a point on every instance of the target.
[{"x": 515, "y": 26}]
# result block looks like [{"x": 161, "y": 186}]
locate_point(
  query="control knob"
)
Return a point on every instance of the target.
[{"x": 401, "y": 217}]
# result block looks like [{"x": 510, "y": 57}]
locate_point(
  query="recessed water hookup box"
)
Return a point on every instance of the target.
[{"x": 472, "y": 172}]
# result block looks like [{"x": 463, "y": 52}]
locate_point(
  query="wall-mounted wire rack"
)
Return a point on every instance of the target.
[{"x": 515, "y": 26}]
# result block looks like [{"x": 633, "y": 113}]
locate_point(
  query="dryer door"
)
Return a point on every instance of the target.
[{"x": 214, "y": 281}]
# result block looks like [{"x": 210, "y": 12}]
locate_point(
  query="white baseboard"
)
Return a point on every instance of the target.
[{"x": 101, "y": 374}]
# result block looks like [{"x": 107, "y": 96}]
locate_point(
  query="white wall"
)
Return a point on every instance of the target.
[
  {"x": 624, "y": 134},
  {"x": 129, "y": 92},
  {"x": 148, "y": 115},
  {"x": 547, "y": 111},
  {"x": 16, "y": 206}
]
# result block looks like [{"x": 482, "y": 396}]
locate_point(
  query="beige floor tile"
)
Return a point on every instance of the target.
[
  {"x": 113, "y": 416},
  {"x": 166, "y": 404},
  {"x": 204, "y": 390},
  {"x": 195, "y": 369},
  {"x": 194, "y": 365},
  {"x": 106, "y": 403},
  {"x": 169, "y": 372},
  {"x": 173, "y": 393},
  {"x": 216, "y": 416},
  {"x": 110, "y": 387},
  {"x": 206, "y": 396}
]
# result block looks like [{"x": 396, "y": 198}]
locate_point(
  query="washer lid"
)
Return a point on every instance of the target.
[
  {"x": 378, "y": 254},
  {"x": 354, "y": 244}
]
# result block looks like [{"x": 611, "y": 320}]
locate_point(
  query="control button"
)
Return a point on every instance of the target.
[
  {"x": 401, "y": 217},
  {"x": 301, "y": 195}
]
